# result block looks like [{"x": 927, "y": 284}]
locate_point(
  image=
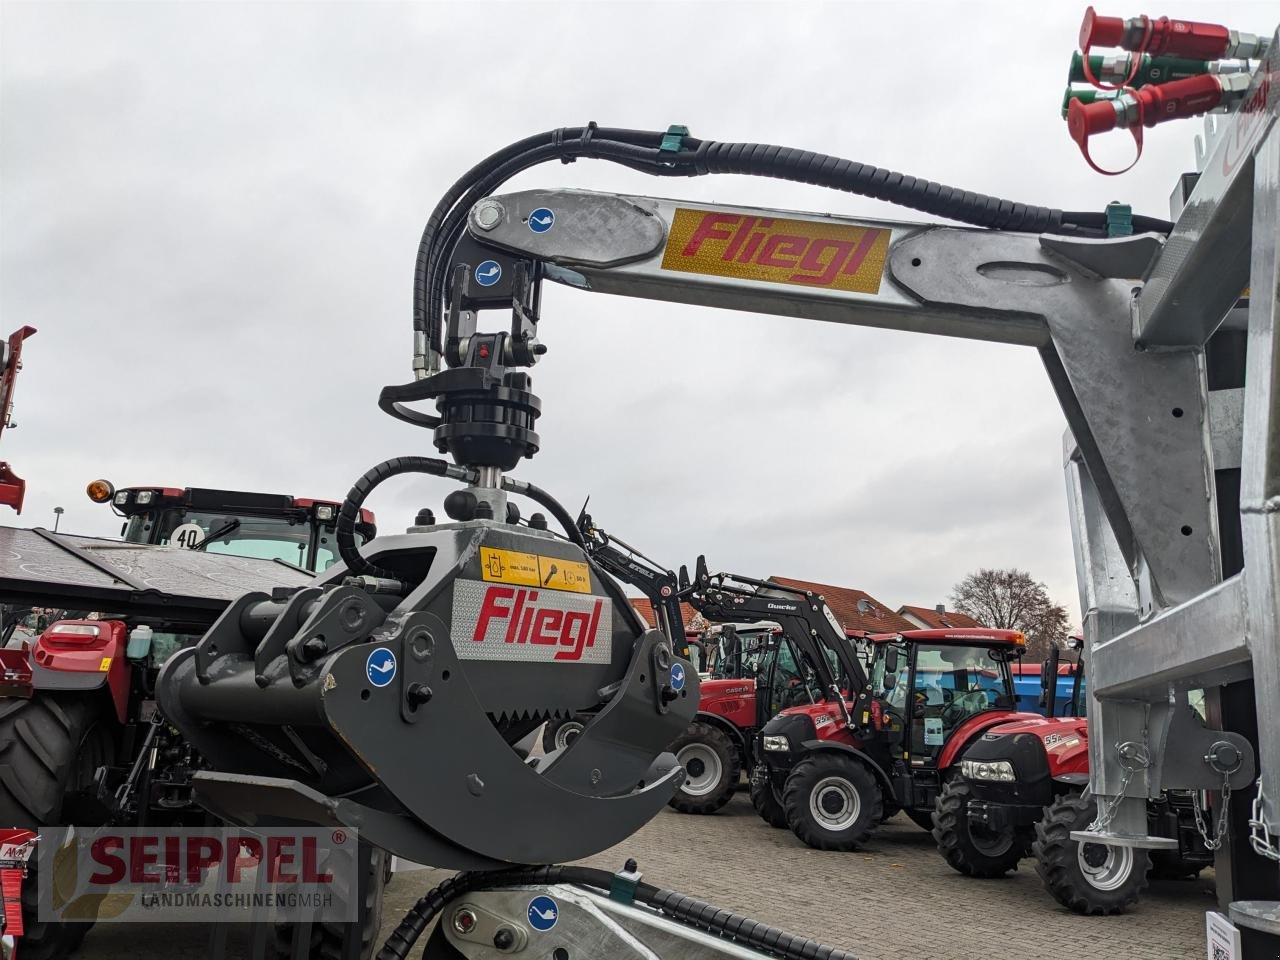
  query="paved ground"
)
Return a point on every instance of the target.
[{"x": 896, "y": 900}]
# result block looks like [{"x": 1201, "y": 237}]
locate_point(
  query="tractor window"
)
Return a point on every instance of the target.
[
  {"x": 262, "y": 538},
  {"x": 952, "y": 684},
  {"x": 790, "y": 683},
  {"x": 889, "y": 678},
  {"x": 1080, "y": 689}
]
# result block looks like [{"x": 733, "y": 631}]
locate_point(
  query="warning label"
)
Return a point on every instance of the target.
[{"x": 532, "y": 570}]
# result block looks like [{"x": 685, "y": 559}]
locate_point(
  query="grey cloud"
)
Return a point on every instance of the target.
[{"x": 211, "y": 213}]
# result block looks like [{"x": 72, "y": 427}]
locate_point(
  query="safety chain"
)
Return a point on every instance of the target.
[
  {"x": 1264, "y": 843},
  {"x": 1220, "y": 828},
  {"x": 1134, "y": 756}
]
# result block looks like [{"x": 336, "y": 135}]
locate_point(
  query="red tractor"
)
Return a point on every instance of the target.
[
  {"x": 81, "y": 739},
  {"x": 757, "y": 672},
  {"x": 797, "y": 654},
  {"x": 834, "y": 769},
  {"x": 1022, "y": 792}
]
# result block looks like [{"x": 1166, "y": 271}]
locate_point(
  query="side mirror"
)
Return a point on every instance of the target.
[
  {"x": 890, "y": 680},
  {"x": 891, "y": 661}
]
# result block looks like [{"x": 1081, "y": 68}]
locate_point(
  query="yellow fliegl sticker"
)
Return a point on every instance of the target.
[
  {"x": 559, "y": 574},
  {"x": 509, "y": 566},
  {"x": 532, "y": 570},
  {"x": 105, "y": 665},
  {"x": 822, "y": 254}
]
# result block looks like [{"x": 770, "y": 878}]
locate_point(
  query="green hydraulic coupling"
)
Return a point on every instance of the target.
[{"x": 1116, "y": 69}]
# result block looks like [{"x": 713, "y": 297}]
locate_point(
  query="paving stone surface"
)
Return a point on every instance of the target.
[{"x": 895, "y": 900}]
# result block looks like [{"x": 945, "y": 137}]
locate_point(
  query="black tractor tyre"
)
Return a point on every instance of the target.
[
  {"x": 833, "y": 802},
  {"x": 559, "y": 733},
  {"x": 712, "y": 768},
  {"x": 328, "y": 939},
  {"x": 765, "y": 800},
  {"x": 50, "y": 746},
  {"x": 1093, "y": 879},
  {"x": 973, "y": 852}
]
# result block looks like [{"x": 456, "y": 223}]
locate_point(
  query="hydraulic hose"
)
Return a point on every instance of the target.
[
  {"x": 703, "y": 916},
  {"x": 551, "y": 504},
  {"x": 677, "y": 154},
  {"x": 345, "y": 528}
]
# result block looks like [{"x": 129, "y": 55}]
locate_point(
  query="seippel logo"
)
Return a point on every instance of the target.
[{"x": 812, "y": 253}]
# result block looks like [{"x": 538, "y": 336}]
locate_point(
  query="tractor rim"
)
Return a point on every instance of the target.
[
  {"x": 567, "y": 733},
  {"x": 702, "y": 768},
  {"x": 834, "y": 803},
  {"x": 988, "y": 842},
  {"x": 1106, "y": 867}
]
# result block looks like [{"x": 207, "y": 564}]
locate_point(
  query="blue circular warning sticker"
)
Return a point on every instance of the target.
[
  {"x": 543, "y": 913},
  {"x": 677, "y": 676},
  {"x": 542, "y": 220},
  {"x": 488, "y": 273},
  {"x": 380, "y": 667}
]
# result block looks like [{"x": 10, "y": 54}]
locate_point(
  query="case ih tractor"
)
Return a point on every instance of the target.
[
  {"x": 1021, "y": 792},
  {"x": 81, "y": 739},
  {"x": 834, "y": 769},
  {"x": 791, "y": 650}
]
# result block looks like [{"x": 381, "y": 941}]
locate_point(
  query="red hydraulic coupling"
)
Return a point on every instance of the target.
[
  {"x": 1133, "y": 109},
  {"x": 1172, "y": 38}
]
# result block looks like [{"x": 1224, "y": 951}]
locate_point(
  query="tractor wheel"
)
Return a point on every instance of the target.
[
  {"x": 764, "y": 799},
  {"x": 833, "y": 802},
  {"x": 1095, "y": 879},
  {"x": 712, "y": 769},
  {"x": 328, "y": 939},
  {"x": 558, "y": 734},
  {"x": 49, "y": 747},
  {"x": 970, "y": 848}
]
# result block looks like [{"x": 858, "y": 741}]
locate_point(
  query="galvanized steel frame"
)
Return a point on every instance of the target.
[{"x": 1126, "y": 360}]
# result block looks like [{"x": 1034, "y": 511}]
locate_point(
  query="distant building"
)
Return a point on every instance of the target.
[
  {"x": 692, "y": 618},
  {"x": 937, "y": 618},
  {"x": 855, "y": 609}
]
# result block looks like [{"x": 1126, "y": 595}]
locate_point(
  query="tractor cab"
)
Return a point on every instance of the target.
[
  {"x": 294, "y": 530},
  {"x": 927, "y": 685}
]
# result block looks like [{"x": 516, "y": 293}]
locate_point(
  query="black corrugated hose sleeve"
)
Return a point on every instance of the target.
[
  {"x": 345, "y": 529},
  {"x": 701, "y": 915},
  {"x": 805, "y": 166},
  {"x": 553, "y": 506}
]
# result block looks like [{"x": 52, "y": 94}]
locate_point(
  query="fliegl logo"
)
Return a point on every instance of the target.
[
  {"x": 497, "y": 622},
  {"x": 811, "y": 253}
]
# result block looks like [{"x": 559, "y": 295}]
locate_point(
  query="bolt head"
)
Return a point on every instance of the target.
[
  {"x": 488, "y": 214},
  {"x": 464, "y": 921},
  {"x": 504, "y": 939}
]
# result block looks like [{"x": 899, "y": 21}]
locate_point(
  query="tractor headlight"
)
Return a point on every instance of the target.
[
  {"x": 777, "y": 744},
  {"x": 121, "y": 498},
  {"x": 987, "y": 770},
  {"x": 324, "y": 512},
  {"x": 144, "y": 497}
]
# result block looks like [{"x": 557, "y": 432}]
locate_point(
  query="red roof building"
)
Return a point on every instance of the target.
[
  {"x": 692, "y": 618},
  {"x": 937, "y": 618},
  {"x": 855, "y": 609}
]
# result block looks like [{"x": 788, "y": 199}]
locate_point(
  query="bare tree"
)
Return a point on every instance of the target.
[{"x": 1013, "y": 600}]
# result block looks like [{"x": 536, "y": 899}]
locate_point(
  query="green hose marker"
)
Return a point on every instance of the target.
[
  {"x": 1119, "y": 219},
  {"x": 1153, "y": 69}
]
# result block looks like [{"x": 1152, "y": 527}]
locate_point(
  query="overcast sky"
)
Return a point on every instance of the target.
[{"x": 211, "y": 212}]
